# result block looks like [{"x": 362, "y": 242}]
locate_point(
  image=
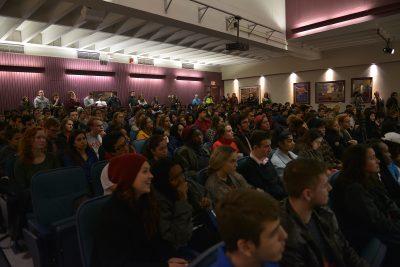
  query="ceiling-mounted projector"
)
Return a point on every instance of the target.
[{"x": 237, "y": 46}]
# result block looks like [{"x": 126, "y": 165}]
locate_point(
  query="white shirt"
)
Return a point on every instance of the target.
[
  {"x": 280, "y": 160},
  {"x": 100, "y": 103},
  {"x": 105, "y": 181},
  {"x": 94, "y": 142}
]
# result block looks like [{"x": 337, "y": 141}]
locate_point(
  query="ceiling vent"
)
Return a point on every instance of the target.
[
  {"x": 12, "y": 48},
  {"x": 89, "y": 55},
  {"x": 188, "y": 66},
  {"x": 146, "y": 61}
]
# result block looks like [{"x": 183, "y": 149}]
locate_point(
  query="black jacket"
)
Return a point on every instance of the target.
[
  {"x": 242, "y": 141},
  {"x": 335, "y": 142},
  {"x": 120, "y": 239},
  {"x": 302, "y": 250},
  {"x": 264, "y": 177},
  {"x": 365, "y": 212}
]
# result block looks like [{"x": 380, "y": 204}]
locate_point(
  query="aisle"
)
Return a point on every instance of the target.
[{"x": 15, "y": 260}]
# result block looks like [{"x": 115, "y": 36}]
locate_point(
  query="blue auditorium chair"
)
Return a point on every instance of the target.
[
  {"x": 51, "y": 235},
  {"x": 138, "y": 145},
  {"x": 207, "y": 258},
  {"x": 97, "y": 168},
  {"x": 87, "y": 216}
]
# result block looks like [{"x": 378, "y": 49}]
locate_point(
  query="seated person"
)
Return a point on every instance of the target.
[
  {"x": 156, "y": 148},
  {"x": 114, "y": 144},
  {"x": 192, "y": 156},
  {"x": 309, "y": 145},
  {"x": 362, "y": 205},
  {"x": 389, "y": 179},
  {"x": 8, "y": 153},
  {"x": 79, "y": 153},
  {"x": 225, "y": 137},
  {"x": 171, "y": 192},
  {"x": 314, "y": 238},
  {"x": 256, "y": 239},
  {"x": 242, "y": 137},
  {"x": 283, "y": 155},
  {"x": 258, "y": 169},
  {"x": 223, "y": 177},
  {"x": 146, "y": 126},
  {"x": 127, "y": 233}
]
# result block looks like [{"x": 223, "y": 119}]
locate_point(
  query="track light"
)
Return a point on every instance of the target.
[{"x": 388, "y": 48}]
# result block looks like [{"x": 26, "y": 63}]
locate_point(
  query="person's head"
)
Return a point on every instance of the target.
[
  {"x": 13, "y": 137},
  {"x": 225, "y": 131},
  {"x": 77, "y": 141},
  {"x": 394, "y": 94},
  {"x": 115, "y": 144},
  {"x": 168, "y": 177},
  {"x": 381, "y": 151},
  {"x": 131, "y": 173},
  {"x": 132, "y": 93},
  {"x": 118, "y": 118},
  {"x": 16, "y": 122},
  {"x": 202, "y": 113},
  {"x": 376, "y": 94},
  {"x": 37, "y": 112},
  {"x": 332, "y": 124},
  {"x": 312, "y": 139},
  {"x": 56, "y": 96},
  {"x": 258, "y": 236},
  {"x": 318, "y": 124},
  {"x": 216, "y": 121},
  {"x": 52, "y": 128},
  {"x": 67, "y": 125},
  {"x": 307, "y": 184},
  {"x": 359, "y": 163},
  {"x": 146, "y": 124},
  {"x": 156, "y": 147},
  {"x": 72, "y": 94},
  {"x": 285, "y": 141},
  {"x": 192, "y": 136},
  {"x": 223, "y": 159},
  {"x": 96, "y": 125},
  {"x": 33, "y": 141},
  {"x": 165, "y": 122},
  {"x": 74, "y": 116},
  {"x": 41, "y": 93},
  {"x": 28, "y": 121},
  {"x": 261, "y": 123},
  {"x": 344, "y": 121},
  {"x": 243, "y": 123},
  {"x": 260, "y": 144},
  {"x": 176, "y": 130}
]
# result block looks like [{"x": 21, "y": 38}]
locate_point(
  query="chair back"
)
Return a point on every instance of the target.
[
  {"x": 202, "y": 176},
  {"x": 138, "y": 145},
  {"x": 97, "y": 168},
  {"x": 56, "y": 193},
  {"x": 87, "y": 216}
]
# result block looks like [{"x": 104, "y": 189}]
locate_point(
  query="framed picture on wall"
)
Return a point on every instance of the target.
[
  {"x": 301, "y": 93},
  {"x": 330, "y": 92},
  {"x": 363, "y": 86},
  {"x": 244, "y": 92}
]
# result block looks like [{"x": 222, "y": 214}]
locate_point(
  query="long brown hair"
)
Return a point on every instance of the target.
[{"x": 25, "y": 152}]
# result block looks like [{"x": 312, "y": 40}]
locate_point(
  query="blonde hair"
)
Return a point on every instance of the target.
[{"x": 219, "y": 157}]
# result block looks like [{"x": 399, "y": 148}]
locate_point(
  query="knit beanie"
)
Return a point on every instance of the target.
[{"x": 123, "y": 169}]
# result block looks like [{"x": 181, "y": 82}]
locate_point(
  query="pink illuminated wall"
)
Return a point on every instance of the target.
[
  {"x": 300, "y": 13},
  {"x": 15, "y": 85}
]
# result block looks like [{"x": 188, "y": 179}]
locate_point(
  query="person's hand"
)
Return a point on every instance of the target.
[
  {"x": 182, "y": 190},
  {"x": 205, "y": 203},
  {"x": 177, "y": 262},
  {"x": 353, "y": 142}
]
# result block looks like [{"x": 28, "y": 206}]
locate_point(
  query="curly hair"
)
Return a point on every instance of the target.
[{"x": 25, "y": 152}]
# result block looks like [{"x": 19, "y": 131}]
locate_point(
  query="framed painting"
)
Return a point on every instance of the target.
[
  {"x": 301, "y": 93},
  {"x": 246, "y": 91},
  {"x": 330, "y": 92},
  {"x": 362, "y": 86}
]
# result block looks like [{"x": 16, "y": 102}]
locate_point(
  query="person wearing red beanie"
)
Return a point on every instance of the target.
[{"x": 127, "y": 232}]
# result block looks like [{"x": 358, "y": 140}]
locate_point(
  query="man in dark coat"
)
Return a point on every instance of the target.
[{"x": 314, "y": 238}]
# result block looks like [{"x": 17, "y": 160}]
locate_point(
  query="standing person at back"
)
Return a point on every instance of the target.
[{"x": 41, "y": 101}]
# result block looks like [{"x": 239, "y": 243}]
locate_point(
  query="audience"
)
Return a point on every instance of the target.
[
  {"x": 146, "y": 128},
  {"x": 224, "y": 137},
  {"x": 156, "y": 148}
]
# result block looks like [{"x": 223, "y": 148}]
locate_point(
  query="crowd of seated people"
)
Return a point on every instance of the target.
[{"x": 238, "y": 159}]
